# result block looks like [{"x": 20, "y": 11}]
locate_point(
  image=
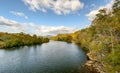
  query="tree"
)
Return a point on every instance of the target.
[{"x": 116, "y": 5}]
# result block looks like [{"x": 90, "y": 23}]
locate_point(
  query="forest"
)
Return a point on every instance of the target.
[
  {"x": 101, "y": 39},
  {"x": 9, "y": 40}
]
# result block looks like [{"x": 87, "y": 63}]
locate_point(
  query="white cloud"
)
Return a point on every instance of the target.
[
  {"x": 4, "y": 21},
  {"x": 52, "y": 30},
  {"x": 19, "y": 14},
  {"x": 8, "y": 25},
  {"x": 11, "y": 25},
  {"x": 92, "y": 14},
  {"x": 58, "y": 6}
]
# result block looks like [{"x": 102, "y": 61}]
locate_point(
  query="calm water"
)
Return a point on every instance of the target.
[{"x": 52, "y": 57}]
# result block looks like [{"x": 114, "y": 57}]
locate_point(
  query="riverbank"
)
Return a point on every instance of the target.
[
  {"x": 93, "y": 65},
  {"x": 9, "y": 40}
]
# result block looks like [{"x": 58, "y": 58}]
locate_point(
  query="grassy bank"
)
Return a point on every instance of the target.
[{"x": 8, "y": 40}]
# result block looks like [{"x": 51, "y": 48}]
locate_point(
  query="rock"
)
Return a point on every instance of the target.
[
  {"x": 89, "y": 63},
  {"x": 94, "y": 65},
  {"x": 91, "y": 56}
]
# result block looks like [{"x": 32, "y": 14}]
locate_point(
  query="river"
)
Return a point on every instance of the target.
[{"x": 51, "y": 57}]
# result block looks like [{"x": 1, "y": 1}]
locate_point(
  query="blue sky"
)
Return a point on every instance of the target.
[{"x": 48, "y": 17}]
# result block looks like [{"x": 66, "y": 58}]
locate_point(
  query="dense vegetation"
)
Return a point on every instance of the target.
[
  {"x": 63, "y": 37},
  {"x": 19, "y": 39},
  {"x": 102, "y": 38}
]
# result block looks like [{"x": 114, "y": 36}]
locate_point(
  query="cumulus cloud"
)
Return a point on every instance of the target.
[
  {"x": 58, "y": 6},
  {"x": 51, "y": 30},
  {"x": 8, "y": 25},
  {"x": 92, "y": 14},
  {"x": 19, "y": 14},
  {"x": 12, "y": 25},
  {"x": 4, "y": 21}
]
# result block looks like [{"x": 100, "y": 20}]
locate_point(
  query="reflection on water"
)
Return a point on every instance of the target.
[{"x": 52, "y": 57}]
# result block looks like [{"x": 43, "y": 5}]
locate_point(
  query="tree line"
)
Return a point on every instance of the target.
[{"x": 8, "y": 40}]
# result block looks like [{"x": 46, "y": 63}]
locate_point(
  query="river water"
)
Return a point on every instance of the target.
[{"x": 51, "y": 57}]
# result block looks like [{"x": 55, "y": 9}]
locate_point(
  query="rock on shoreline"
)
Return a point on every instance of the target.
[{"x": 93, "y": 65}]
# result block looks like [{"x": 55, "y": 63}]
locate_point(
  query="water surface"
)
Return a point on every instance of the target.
[{"x": 52, "y": 57}]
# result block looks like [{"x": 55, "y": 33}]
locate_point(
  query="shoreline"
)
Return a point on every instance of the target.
[
  {"x": 23, "y": 45},
  {"x": 10, "y": 40},
  {"x": 93, "y": 65}
]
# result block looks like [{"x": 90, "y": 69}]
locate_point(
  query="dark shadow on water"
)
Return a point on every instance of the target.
[{"x": 21, "y": 47}]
